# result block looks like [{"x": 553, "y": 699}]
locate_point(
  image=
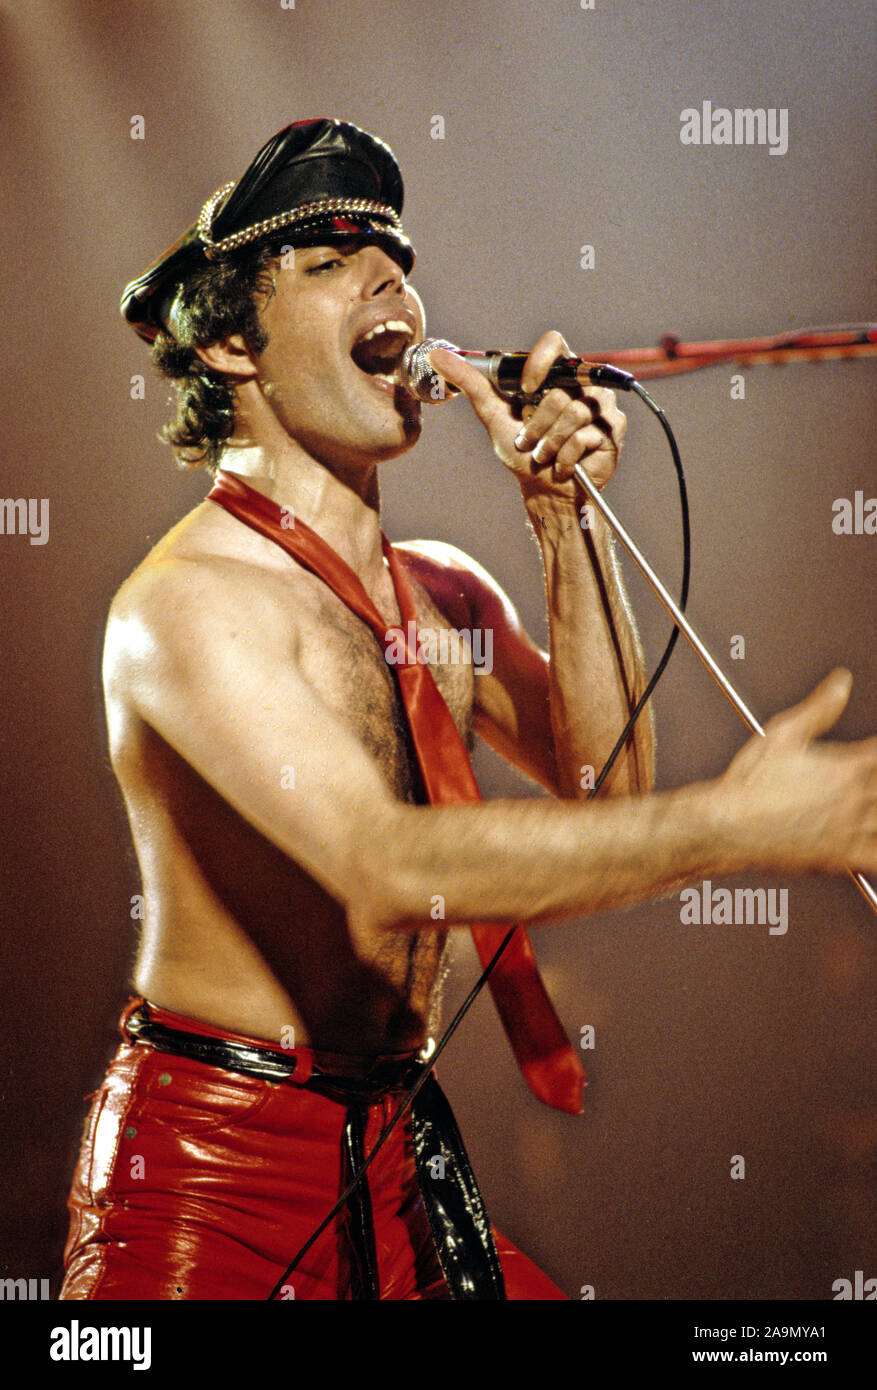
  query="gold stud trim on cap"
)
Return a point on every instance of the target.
[{"x": 308, "y": 212}]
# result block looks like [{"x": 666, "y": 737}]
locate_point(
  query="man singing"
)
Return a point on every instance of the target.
[{"x": 291, "y": 741}]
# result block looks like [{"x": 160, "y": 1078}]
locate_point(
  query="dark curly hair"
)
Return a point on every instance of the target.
[{"x": 218, "y": 299}]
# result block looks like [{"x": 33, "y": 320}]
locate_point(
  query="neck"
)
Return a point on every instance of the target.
[{"x": 344, "y": 512}]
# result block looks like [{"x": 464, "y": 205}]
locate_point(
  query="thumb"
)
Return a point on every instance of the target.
[{"x": 818, "y": 711}]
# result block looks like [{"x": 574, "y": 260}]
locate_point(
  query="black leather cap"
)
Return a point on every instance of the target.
[{"x": 313, "y": 182}]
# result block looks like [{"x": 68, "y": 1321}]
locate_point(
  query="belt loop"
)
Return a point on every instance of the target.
[{"x": 304, "y": 1065}]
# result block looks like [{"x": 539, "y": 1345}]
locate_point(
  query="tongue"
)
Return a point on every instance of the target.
[
  {"x": 380, "y": 354},
  {"x": 369, "y": 361}
]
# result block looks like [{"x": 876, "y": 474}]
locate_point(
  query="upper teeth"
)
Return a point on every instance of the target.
[{"x": 391, "y": 326}]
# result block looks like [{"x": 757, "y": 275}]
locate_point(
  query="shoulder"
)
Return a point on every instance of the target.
[
  {"x": 449, "y": 574},
  {"x": 162, "y": 617},
  {"x": 194, "y": 594}
]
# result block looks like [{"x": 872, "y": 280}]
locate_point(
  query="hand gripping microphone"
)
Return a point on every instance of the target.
[{"x": 504, "y": 371}]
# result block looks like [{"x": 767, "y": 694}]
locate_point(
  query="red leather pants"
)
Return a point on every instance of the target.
[{"x": 195, "y": 1182}]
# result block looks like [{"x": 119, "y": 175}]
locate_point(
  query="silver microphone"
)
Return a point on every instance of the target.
[{"x": 503, "y": 370}]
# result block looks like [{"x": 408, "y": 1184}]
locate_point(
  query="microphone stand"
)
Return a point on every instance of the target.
[
  {"x": 684, "y": 626},
  {"x": 803, "y": 345}
]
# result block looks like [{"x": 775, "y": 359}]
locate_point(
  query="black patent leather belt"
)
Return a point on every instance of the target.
[
  {"x": 269, "y": 1064},
  {"x": 453, "y": 1203}
]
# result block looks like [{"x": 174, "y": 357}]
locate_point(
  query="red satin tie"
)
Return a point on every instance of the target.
[{"x": 545, "y": 1056}]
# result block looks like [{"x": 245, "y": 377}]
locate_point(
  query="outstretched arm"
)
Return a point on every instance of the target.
[{"x": 183, "y": 655}]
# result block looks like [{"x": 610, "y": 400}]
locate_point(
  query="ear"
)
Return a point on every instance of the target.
[{"x": 231, "y": 357}]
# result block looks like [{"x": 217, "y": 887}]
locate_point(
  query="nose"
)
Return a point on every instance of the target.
[{"x": 382, "y": 274}]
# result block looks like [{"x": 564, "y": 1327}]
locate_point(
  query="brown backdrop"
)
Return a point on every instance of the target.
[{"x": 561, "y": 130}]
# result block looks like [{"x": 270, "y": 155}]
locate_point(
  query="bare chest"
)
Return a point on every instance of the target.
[{"x": 344, "y": 660}]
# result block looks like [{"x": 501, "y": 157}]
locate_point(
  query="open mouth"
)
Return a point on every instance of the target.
[{"x": 379, "y": 351}]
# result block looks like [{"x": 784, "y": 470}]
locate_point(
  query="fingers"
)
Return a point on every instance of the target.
[
  {"x": 559, "y": 432},
  {"x": 564, "y": 431},
  {"x": 488, "y": 406},
  {"x": 817, "y": 712},
  {"x": 846, "y": 778}
]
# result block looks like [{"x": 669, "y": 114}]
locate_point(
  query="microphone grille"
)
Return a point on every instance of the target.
[{"x": 418, "y": 377}]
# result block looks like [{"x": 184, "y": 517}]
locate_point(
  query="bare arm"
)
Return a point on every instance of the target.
[
  {"x": 596, "y": 674},
  {"x": 551, "y": 715},
  {"x": 596, "y": 669},
  {"x": 182, "y": 651}
]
